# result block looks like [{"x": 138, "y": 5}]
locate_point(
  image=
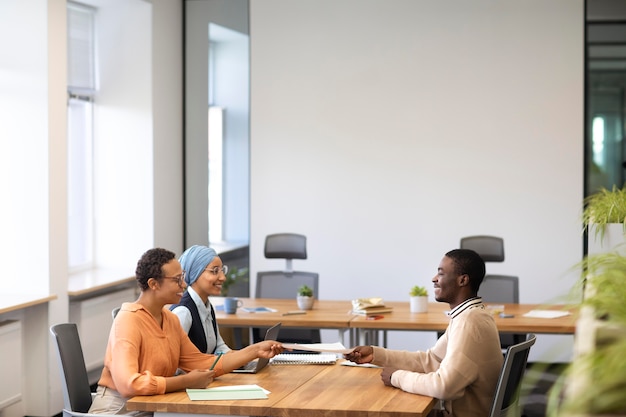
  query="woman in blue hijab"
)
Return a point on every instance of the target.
[{"x": 204, "y": 274}]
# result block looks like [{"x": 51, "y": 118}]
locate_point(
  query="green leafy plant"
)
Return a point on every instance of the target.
[
  {"x": 305, "y": 291},
  {"x": 593, "y": 383},
  {"x": 603, "y": 208},
  {"x": 235, "y": 276},
  {"x": 418, "y": 291}
]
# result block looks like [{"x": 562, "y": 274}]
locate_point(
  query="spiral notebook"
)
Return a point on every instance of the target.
[{"x": 304, "y": 359}]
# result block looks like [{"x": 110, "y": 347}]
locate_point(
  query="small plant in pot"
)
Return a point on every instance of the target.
[
  {"x": 418, "y": 299},
  {"x": 305, "y": 297}
]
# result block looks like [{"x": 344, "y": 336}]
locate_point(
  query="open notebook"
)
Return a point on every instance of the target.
[{"x": 256, "y": 365}]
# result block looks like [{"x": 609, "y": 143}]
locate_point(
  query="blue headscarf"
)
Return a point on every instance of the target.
[{"x": 195, "y": 260}]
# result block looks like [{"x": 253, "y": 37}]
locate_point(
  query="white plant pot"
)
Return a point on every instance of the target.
[
  {"x": 305, "y": 303},
  {"x": 419, "y": 304},
  {"x": 613, "y": 239}
]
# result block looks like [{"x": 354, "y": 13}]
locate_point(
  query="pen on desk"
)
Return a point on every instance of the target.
[
  {"x": 292, "y": 313},
  {"x": 219, "y": 355}
]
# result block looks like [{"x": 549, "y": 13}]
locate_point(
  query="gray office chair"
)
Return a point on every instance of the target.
[
  {"x": 285, "y": 284},
  {"x": 77, "y": 395},
  {"x": 506, "y": 398},
  {"x": 495, "y": 288}
]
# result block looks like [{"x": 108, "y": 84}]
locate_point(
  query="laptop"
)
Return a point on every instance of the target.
[{"x": 256, "y": 365}]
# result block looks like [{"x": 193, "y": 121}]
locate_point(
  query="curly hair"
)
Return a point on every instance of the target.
[
  {"x": 466, "y": 261},
  {"x": 150, "y": 265}
]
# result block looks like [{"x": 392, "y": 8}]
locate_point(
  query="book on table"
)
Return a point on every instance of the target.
[
  {"x": 373, "y": 311},
  {"x": 370, "y": 306}
]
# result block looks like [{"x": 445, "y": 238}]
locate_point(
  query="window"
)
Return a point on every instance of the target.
[{"x": 81, "y": 89}]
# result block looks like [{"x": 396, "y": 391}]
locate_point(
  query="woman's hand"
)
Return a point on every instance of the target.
[
  {"x": 360, "y": 354},
  {"x": 198, "y": 378},
  {"x": 268, "y": 349}
]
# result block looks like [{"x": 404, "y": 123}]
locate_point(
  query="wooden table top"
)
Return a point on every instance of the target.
[
  {"x": 326, "y": 314},
  {"x": 436, "y": 319},
  {"x": 333, "y": 314},
  {"x": 349, "y": 391},
  {"x": 300, "y": 391}
]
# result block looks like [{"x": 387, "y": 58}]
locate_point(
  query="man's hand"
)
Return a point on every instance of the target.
[
  {"x": 360, "y": 354},
  {"x": 385, "y": 375}
]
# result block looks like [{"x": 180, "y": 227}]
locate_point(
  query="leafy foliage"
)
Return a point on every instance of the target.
[
  {"x": 305, "y": 291},
  {"x": 235, "y": 276},
  {"x": 605, "y": 207},
  {"x": 418, "y": 291},
  {"x": 601, "y": 370}
]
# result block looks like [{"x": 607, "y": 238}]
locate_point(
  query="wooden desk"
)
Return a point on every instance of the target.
[
  {"x": 299, "y": 391},
  {"x": 436, "y": 319},
  {"x": 326, "y": 314}
]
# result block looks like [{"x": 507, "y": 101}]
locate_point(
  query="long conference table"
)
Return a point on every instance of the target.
[
  {"x": 335, "y": 390},
  {"x": 298, "y": 391},
  {"x": 334, "y": 314}
]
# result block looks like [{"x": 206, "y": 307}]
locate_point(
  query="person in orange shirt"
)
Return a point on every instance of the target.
[{"x": 147, "y": 344}]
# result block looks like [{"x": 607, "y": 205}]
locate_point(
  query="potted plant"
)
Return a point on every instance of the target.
[
  {"x": 418, "y": 299},
  {"x": 593, "y": 383},
  {"x": 235, "y": 277},
  {"x": 305, "y": 298},
  {"x": 603, "y": 217}
]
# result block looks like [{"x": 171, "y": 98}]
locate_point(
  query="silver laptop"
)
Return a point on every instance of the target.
[{"x": 256, "y": 365}]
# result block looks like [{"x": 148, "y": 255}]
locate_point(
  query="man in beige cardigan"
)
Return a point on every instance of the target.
[{"x": 463, "y": 367}]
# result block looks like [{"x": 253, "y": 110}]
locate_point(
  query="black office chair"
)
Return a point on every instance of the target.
[
  {"x": 506, "y": 398},
  {"x": 495, "y": 288},
  {"x": 285, "y": 284},
  {"x": 115, "y": 311},
  {"x": 77, "y": 395}
]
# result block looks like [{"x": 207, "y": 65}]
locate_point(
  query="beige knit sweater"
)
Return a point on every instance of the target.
[{"x": 462, "y": 368}]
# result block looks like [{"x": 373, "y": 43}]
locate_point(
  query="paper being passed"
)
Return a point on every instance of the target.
[
  {"x": 232, "y": 392},
  {"x": 546, "y": 314},
  {"x": 319, "y": 347}
]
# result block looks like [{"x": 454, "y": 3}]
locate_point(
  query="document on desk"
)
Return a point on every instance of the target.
[
  {"x": 232, "y": 392},
  {"x": 337, "y": 347},
  {"x": 546, "y": 314}
]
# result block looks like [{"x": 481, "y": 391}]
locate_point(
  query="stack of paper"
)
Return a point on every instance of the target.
[
  {"x": 370, "y": 306},
  {"x": 304, "y": 359}
]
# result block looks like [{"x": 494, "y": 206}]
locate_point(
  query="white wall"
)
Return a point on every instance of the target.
[{"x": 385, "y": 131}]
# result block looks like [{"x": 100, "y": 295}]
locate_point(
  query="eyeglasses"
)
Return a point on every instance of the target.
[
  {"x": 180, "y": 279},
  {"x": 217, "y": 269}
]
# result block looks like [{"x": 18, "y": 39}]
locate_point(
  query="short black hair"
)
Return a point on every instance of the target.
[
  {"x": 150, "y": 265},
  {"x": 468, "y": 262}
]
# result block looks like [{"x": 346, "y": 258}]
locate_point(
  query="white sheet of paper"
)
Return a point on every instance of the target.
[
  {"x": 358, "y": 365},
  {"x": 319, "y": 347},
  {"x": 546, "y": 314}
]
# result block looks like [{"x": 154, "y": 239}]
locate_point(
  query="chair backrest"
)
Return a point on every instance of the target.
[
  {"x": 499, "y": 289},
  {"x": 490, "y": 248},
  {"x": 285, "y": 284},
  {"x": 495, "y": 288},
  {"x": 287, "y": 246},
  {"x": 280, "y": 284},
  {"x": 75, "y": 382},
  {"x": 115, "y": 311},
  {"x": 506, "y": 398}
]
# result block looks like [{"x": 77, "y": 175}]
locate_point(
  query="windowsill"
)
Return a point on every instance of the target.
[
  {"x": 98, "y": 281},
  {"x": 13, "y": 302},
  {"x": 225, "y": 247}
]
